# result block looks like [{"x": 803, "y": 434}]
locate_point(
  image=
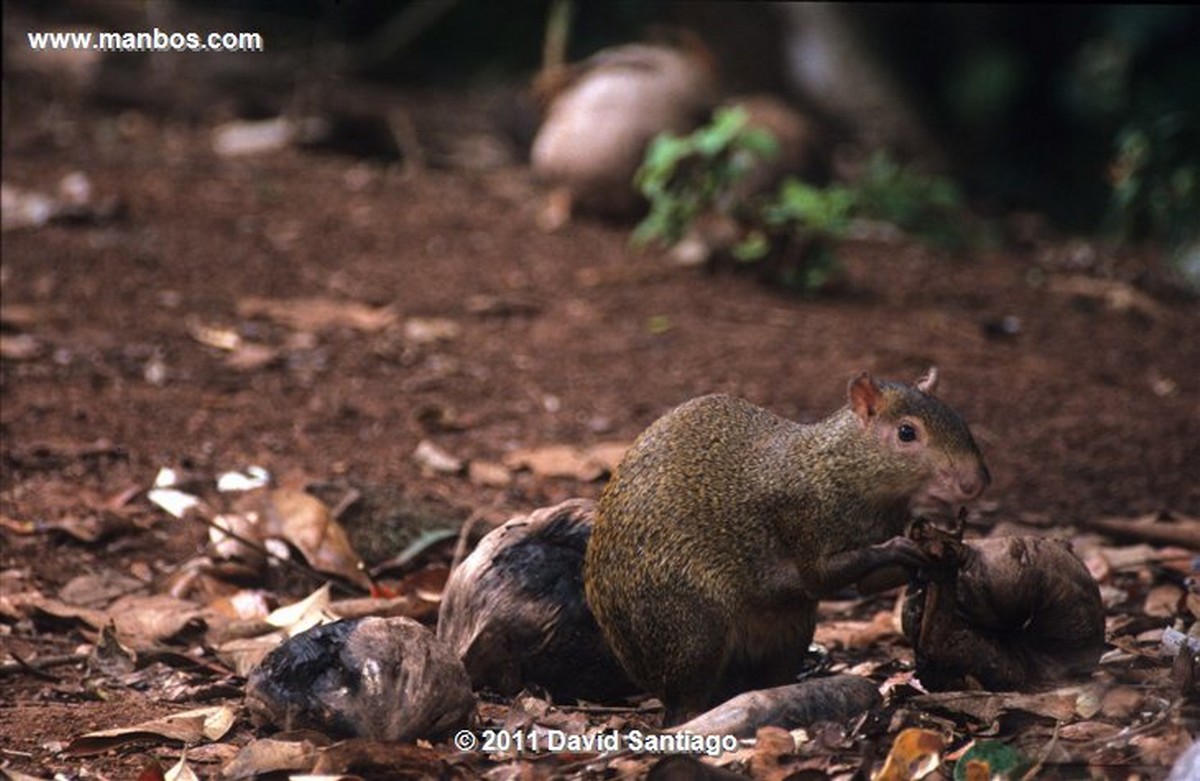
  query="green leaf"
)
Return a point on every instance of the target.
[
  {"x": 1000, "y": 761},
  {"x": 760, "y": 143},
  {"x": 754, "y": 247}
]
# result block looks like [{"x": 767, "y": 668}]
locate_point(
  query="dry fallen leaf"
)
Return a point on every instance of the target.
[
  {"x": 303, "y": 615},
  {"x": 1088, "y": 731},
  {"x": 19, "y": 347},
  {"x": 193, "y": 726},
  {"x": 270, "y": 756},
  {"x": 771, "y": 746},
  {"x": 856, "y": 634},
  {"x": 583, "y": 464},
  {"x": 243, "y": 654},
  {"x": 143, "y": 621},
  {"x": 181, "y": 771},
  {"x": 489, "y": 474},
  {"x": 915, "y": 754},
  {"x": 249, "y": 357},
  {"x": 428, "y": 330},
  {"x": 307, "y": 524},
  {"x": 1163, "y": 601},
  {"x": 986, "y": 707},
  {"x": 318, "y": 314},
  {"x": 96, "y": 589}
]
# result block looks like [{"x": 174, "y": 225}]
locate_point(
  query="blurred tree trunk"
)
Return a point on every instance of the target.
[{"x": 829, "y": 62}]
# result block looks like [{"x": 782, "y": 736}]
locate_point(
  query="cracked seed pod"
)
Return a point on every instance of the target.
[
  {"x": 1004, "y": 613},
  {"x": 515, "y": 613},
  {"x": 379, "y": 678}
]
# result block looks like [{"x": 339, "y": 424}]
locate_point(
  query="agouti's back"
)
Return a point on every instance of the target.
[{"x": 725, "y": 523}]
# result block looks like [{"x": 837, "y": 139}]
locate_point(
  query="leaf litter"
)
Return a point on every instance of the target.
[
  {"x": 129, "y": 629},
  {"x": 1144, "y": 686}
]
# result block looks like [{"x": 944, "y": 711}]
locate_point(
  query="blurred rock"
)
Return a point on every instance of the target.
[{"x": 603, "y": 112}]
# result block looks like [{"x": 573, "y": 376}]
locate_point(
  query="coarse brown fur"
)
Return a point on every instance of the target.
[{"x": 724, "y": 524}]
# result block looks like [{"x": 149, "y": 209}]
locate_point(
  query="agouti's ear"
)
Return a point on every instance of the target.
[
  {"x": 928, "y": 383},
  {"x": 864, "y": 397}
]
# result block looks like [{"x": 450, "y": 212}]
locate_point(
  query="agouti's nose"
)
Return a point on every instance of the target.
[{"x": 972, "y": 484}]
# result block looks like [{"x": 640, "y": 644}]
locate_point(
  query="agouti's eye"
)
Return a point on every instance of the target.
[{"x": 907, "y": 432}]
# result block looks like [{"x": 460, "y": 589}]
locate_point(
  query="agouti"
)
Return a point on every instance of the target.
[{"x": 724, "y": 524}]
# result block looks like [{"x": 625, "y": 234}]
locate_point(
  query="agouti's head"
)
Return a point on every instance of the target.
[{"x": 926, "y": 444}]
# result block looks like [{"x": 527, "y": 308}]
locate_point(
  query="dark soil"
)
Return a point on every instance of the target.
[{"x": 1089, "y": 410}]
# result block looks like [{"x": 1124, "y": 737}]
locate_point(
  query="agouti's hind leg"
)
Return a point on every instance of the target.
[{"x": 689, "y": 662}]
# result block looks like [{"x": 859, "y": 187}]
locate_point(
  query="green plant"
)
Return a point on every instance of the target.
[
  {"x": 684, "y": 177},
  {"x": 922, "y": 205},
  {"x": 1156, "y": 182},
  {"x": 797, "y": 228}
]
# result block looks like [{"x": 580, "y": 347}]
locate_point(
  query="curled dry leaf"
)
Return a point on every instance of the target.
[
  {"x": 1004, "y": 613},
  {"x": 303, "y": 615},
  {"x": 145, "y": 621},
  {"x": 305, "y": 523},
  {"x": 584, "y": 464},
  {"x": 193, "y": 726},
  {"x": 915, "y": 754},
  {"x": 271, "y": 756},
  {"x": 243, "y": 654},
  {"x": 181, "y": 771},
  {"x": 515, "y": 613}
]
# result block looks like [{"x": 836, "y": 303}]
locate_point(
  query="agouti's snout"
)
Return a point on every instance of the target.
[{"x": 972, "y": 484}]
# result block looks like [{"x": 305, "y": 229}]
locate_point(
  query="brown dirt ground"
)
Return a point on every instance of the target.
[{"x": 1091, "y": 410}]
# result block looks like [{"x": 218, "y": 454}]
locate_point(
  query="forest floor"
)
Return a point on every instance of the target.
[{"x": 321, "y": 316}]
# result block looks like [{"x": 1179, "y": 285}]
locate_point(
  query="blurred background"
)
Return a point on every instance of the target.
[{"x": 1085, "y": 115}]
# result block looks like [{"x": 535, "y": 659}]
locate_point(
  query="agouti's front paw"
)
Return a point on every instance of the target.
[
  {"x": 873, "y": 568},
  {"x": 902, "y": 551},
  {"x": 893, "y": 562}
]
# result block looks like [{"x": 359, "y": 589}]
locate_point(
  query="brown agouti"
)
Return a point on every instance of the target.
[{"x": 724, "y": 524}]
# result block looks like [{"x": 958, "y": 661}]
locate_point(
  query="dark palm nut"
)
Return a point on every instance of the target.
[
  {"x": 379, "y": 678},
  {"x": 515, "y": 613},
  {"x": 1005, "y": 613}
]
